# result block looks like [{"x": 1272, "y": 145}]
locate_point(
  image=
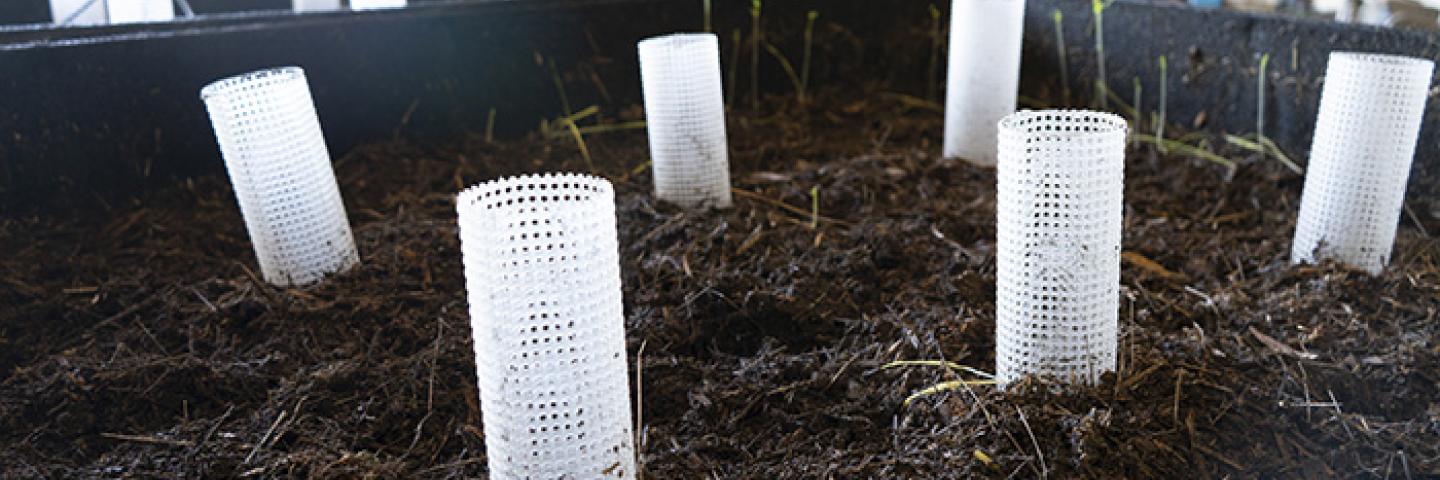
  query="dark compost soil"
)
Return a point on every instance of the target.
[{"x": 142, "y": 344}]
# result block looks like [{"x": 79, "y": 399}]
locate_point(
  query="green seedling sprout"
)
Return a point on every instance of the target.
[
  {"x": 815, "y": 207},
  {"x": 1164, "y": 87},
  {"x": 1135, "y": 119},
  {"x": 734, "y": 67},
  {"x": 1187, "y": 149},
  {"x": 935, "y": 43},
  {"x": 755, "y": 38},
  {"x": 795, "y": 79},
  {"x": 805, "y": 60},
  {"x": 1101, "y": 87},
  {"x": 707, "y": 15},
  {"x": 1059, "y": 18},
  {"x": 560, "y": 87},
  {"x": 490, "y": 127},
  {"x": 1260, "y": 102}
]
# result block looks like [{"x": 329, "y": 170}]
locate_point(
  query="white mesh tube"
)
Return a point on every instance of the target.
[
  {"x": 1370, "y": 112},
  {"x": 685, "y": 116},
  {"x": 275, "y": 153},
  {"x": 1061, "y": 179},
  {"x": 984, "y": 75},
  {"x": 542, "y": 269}
]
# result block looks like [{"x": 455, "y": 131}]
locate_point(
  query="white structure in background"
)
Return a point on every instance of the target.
[
  {"x": 375, "y": 4},
  {"x": 92, "y": 14},
  {"x": 1371, "y": 108},
  {"x": 1057, "y": 299},
  {"x": 140, "y": 11},
  {"x": 280, "y": 169},
  {"x": 542, "y": 271},
  {"x": 102, "y": 12},
  {"x": 316, "y": 5},
  {"x": 685, "y": 117},
  {"x": 984, "y": 75}
]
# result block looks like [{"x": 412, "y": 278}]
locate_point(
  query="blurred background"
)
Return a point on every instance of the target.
[{"x": 1409, "y": 14}]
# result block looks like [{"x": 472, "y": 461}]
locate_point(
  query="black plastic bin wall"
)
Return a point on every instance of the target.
[{"x": 90, "y": 118}]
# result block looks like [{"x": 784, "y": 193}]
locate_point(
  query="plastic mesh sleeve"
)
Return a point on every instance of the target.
[
  {"x": 1061, "y": 181},
  {"x": 1370, "y": 113},
  {"x": 542, "y": 270},
  {"x": 685, "y": 117},
  {"x": 984, "y": 75},
  {"x": 275, "y": 153}
]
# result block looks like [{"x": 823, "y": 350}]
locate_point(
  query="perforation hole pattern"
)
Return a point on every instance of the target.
[
  {"x": 1061, "y": 178},
  {"x": 1370, "y": 113},
  {"x": 984, "y": 75},
  {"x": 685, "y": 117},
  {"x": 542, "y": 270},
  {"x": 280, "y": 169}
]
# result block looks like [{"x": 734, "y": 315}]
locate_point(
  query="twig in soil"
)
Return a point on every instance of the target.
[
  {"x": 204, "y": 300},
  {"x": 147, "y": 439},
  {"x": 1416, "y": 220},
  {"x": 640, "y": 407},
  {"x": 266, "y": 438},
  {"x": 1044, "y": 469},
  {"x": 259, "y": 284},
  {"x": 211, "y": 432},
  {"x": 784, "y": 206},
  {"x": 1280, "y": 348},
  {"x": 1138, "y": 260}
]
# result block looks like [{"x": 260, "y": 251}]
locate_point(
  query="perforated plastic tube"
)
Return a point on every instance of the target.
[
  {"x": 1370, "y": 112},
  {"x": 275, "y": 153},
  {"x": 542, "y": 269},
  {"x": 685, "y": 116},
  {"x": 1061, "y": 178},
  {"x": 984, "y": 75}
]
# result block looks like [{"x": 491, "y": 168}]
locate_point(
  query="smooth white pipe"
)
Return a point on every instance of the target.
[{"x": 984, "y": 75}]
